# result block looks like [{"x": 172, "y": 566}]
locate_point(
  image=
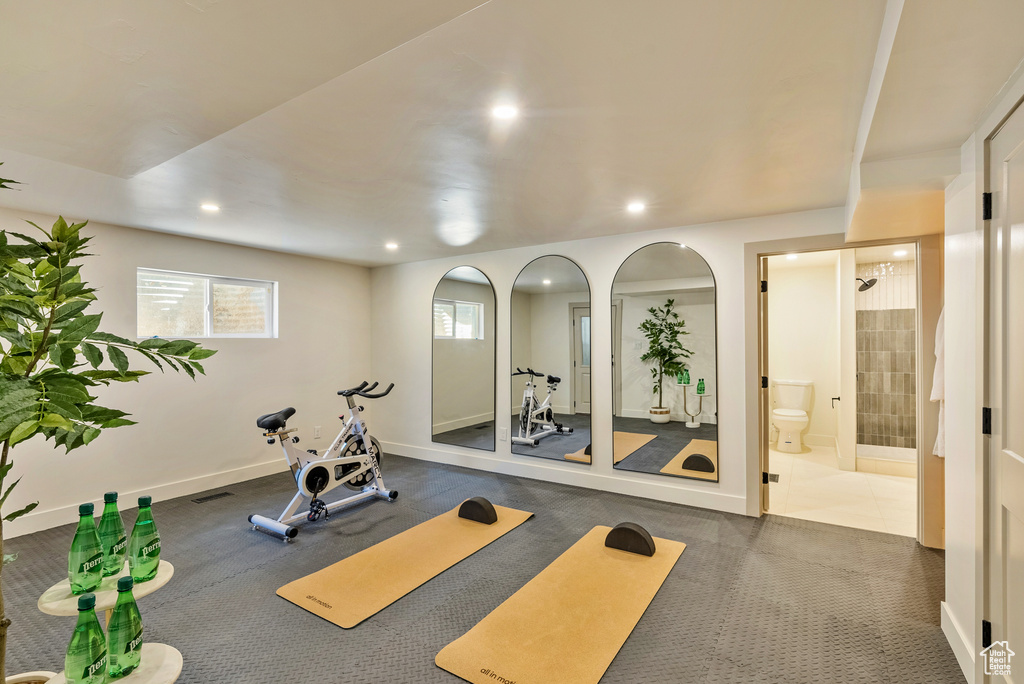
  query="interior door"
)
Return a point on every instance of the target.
[
  {"x": 1004, "y": 522},
  {"x": 581, "y": 359},
  {"x": 764, "y": 403}
]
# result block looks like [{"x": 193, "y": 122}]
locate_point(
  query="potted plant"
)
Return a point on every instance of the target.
[
  {"x": 51, "y": 353},
  {"x": 663, "y": 329}
]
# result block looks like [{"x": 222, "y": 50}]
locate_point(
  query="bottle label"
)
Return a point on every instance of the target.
[
  {"x": 119, "y": 547},
  {"x": 151, "y": 550},
  {"x": 91, "y": 563},
  {"x": 135, "y": 644},
  {"x": 98, "y": 665}
]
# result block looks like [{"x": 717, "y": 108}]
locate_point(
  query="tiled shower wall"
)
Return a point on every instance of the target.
[{"x": 886, "y": 356}]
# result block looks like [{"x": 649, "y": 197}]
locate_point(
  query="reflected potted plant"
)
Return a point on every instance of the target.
[
  {"x": 51, "y": 353},
  {"x": 663, "y": 328}
]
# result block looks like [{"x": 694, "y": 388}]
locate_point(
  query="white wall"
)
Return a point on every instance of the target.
[
  {"x": 551, "y": 342},
  {"x": 193, "y": 436},
  {"x": 803, "y": 338},
  {"x": 463, "y": 370},
  {"x": 522, "y": 345},
  {"x": 698, "y": 310},
  {"x": 401, "y": 313}
]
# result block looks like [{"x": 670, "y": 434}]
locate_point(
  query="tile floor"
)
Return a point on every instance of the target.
[{"x": 812, "y": 487}]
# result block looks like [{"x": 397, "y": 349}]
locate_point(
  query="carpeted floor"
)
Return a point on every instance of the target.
[
  {"x": 768, "y": 600},
  {"x": 672, "y": 438},
  {"x": 555, "y": 447}
]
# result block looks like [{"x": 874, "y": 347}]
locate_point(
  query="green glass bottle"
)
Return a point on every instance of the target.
[
  {"x": 124, "y": 632},
  {"x": 144, "y": 545},
  {"x": 686, "y": 376},
  {"x": 700, "y": 386},
  {"x": 112, "y": 536},
  {"x": 85, "y": 561},
  {"x": 86, "y": 659}
]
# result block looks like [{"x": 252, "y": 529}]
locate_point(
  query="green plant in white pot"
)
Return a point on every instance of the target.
[
  {"x": 53, "y": 356},
  {"x": 665, "y": 351}
]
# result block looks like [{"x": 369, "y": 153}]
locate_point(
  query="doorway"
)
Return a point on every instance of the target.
[
  {"x": 580, "y": 317},
  {"x": 841, "y": 367}
]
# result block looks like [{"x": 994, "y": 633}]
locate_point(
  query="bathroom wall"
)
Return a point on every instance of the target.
[
  {"x": 886, "y": 358},
  {"x": 803, "y": 327}
]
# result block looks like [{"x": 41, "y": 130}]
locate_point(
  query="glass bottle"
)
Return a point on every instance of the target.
[
  {"x": 144, "y": 545},
  {"x": 112, "y": 536},
  {"x": 85, "y": 560},
  {"x": 124, "y": 632},
  {"x": 86, "y": 658}
]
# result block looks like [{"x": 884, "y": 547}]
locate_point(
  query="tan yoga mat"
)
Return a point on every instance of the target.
[
  {"x": 623, "y": 444},
  {"x": 696, "y": 446},
  {"x": 353, "y": 589},
  {"x": 567, "y": 623}
]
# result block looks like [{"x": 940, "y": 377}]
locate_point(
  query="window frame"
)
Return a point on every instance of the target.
[
  {"x": 455, "y": 304},
  {"x": 270, "y": 331}
]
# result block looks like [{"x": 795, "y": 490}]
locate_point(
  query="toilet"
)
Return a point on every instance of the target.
[{"x": 789, "y": 413}]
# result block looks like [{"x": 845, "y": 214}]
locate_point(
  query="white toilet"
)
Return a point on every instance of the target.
[{"x": 789, "y": 412}]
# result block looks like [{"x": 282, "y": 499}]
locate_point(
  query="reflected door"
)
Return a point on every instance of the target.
[{"x": 581, "y": 359}]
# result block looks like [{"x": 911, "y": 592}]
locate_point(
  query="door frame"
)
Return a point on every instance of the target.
[{"x": 762, "y": 397}]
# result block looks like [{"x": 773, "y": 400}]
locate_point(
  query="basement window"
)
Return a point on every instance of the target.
[
  {"x": 171, "y": 304},
  {"x": 455, "y": 320}
]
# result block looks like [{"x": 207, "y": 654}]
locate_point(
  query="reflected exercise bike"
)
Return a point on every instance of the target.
[
  {"x": 536, "y": 418},
  {"x": 353, "y": 460}
]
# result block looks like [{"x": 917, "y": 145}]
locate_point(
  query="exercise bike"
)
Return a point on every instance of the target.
[
  {"x": 353, "y": 460},
  {"x": 536, "y": 419}
]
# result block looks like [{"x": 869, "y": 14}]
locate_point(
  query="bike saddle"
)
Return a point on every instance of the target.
[
  {"x": 554, "y": 379},
  {"x": 275, "y": 421}
]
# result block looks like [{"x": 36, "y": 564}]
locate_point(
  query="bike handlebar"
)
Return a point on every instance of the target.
[
  {"x": 353, "y": 390},
  {"x": 363, "y": 390},
  {"x": 528, "y": 371}
]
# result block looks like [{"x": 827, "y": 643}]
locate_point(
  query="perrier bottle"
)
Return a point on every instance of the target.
[
  {"x": 85, "y": 561},
  {"x": 124, "y": 632},
  {"x": 86, "y": 659},
  {"x": 112, "y": 536},
  {"x": 144, "y": 546}
]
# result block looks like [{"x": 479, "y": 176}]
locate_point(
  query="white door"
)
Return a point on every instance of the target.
[
  {"x": 581, "y": 359},
  {"x": 1005, "y": 391}
]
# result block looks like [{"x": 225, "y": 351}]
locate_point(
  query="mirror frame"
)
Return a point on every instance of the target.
[
  {"x": 494, "y": 361},
  {"x": 718, "y": 398},
  {"x": 590, "y": 298}
]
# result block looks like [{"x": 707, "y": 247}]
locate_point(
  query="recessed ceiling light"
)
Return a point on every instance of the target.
[
  {"x": 505, "y": 112},
  {"x": 791, "y": 257},
  {"x": 392, "y": 245},
  {"x": 635, "y": 207},
  {"x": 547, "y": 282},
  {"x": 900, "y": 252},
  {"x": 209, "y": 207}
]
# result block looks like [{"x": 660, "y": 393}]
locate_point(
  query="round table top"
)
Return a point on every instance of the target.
[
  {"x": 58, "y": 599},
  {"x": 160, "y": 664}
]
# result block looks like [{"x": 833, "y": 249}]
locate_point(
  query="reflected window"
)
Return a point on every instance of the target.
[
  {"x": 585, "y": 334},
  {"x": 458, "y": 320}
]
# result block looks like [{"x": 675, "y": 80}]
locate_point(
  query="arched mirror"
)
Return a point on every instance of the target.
[
  {"x": 550, "y": 402},
  {"x": 664, "y": 369},
  {"x": 463, "y": 360}
]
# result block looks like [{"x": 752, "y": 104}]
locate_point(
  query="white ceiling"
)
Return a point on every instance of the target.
[{"x": 329, "y": 128}]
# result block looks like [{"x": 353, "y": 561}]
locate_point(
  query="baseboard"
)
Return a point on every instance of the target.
[
  {"x": 43, "y": 520},
  {"x": 674, "y": 417},
  {"x": 958, "y": 642},
  {"x": 463, "y": 422},
  {"x": 887, "y": 453},
  {"x": 642, "y": 485}
]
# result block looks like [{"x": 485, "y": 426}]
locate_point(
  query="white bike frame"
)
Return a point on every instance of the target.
[{"x": 537, "y": 414}]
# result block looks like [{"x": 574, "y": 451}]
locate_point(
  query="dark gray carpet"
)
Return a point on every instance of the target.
[
  {"x": 672, "y": 438},
  {"x": 479, "y": 436},
  {"x": 768, "y": 600},
  {"x": 555, "y": 447}
]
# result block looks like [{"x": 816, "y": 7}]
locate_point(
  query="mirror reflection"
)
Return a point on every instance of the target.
[
  {"x": 664, "y": 364},
  {"x": 463, "y": 360},
  {"x": 550, "y": 398}
]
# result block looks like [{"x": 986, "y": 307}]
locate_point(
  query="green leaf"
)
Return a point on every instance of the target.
[
  {"x": 80, "y": 328},
  {"x": 16, "y": 338},
  {"x": 92, "y": 354},
  {"x": 90, "y": 434},
  {"x": 152, "y": 358},
  {"x": 153, "y": 343},
  {"x": 107, "y": 337},
  {"x": 100, "y": 414},
  {"x": 23, "y": 431},
  {"x": 199, "y": 353},
  {"x": 188, "y": 370},
  {"x": 63, "y": 356},
  {"x": 10, "y": 517},
  {"x": 178, "y": 347},
  {"x": 118, "y": 358},
  {"x": 117, "y": 422},
  {"x": 198, "y": 367},
  {"x": 56, "y": 420},
  {"x": 67, "y": 312}
]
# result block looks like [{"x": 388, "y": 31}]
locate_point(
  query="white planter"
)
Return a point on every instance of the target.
[
  {"x": 31, "y": 677},
  {"x": 660, "y": 415}
]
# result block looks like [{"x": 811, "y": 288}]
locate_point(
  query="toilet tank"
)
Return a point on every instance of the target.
[{"x": 793, "y": 394}]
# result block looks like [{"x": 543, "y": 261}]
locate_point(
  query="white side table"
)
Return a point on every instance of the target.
[
  {"x": 161, "y": 664},
  {"x": 693, "y": 422}
]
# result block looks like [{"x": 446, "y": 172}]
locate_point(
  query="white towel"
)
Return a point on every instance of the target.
[{"x": 939, "y": 387}]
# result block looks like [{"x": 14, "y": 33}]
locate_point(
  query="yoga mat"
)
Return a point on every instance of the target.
[
  {"x": 697, "y": 446},
  {"x": 567, "y": 623},
  {"x": 351, "y": 590},
  {"x": 623, "y": 444}
]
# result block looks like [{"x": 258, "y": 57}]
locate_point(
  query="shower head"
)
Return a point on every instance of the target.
[{"x": 868, "y": 284}]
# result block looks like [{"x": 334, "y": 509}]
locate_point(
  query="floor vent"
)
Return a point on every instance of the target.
[
  {"x": 212, "y": 497},
  {"x": 773, "y": 477},
  {"x": 482, "y": 427}
]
